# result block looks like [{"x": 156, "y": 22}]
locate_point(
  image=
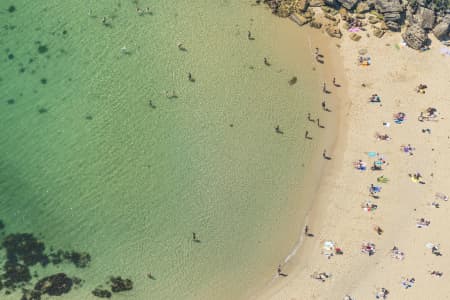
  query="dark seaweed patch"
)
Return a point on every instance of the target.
[
  {"x": 42, "y": 110},
  {"x": 89, "y": 117},
  {"x": 42, "y": 49},
  {"x": 64, "y": 32},
  {"x": 11, "y": 8},
  {"x": 10, "y": 56},
  {"x": 22, "y": 70},
  {"x": 44, "y": 80},
  {"x": 10, "y": 101}
]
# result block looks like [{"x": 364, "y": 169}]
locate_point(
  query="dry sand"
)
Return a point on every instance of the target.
[{"x": 337, "y": 214}]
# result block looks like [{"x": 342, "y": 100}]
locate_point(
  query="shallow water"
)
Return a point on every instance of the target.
[{"x": 96, "y": 157}]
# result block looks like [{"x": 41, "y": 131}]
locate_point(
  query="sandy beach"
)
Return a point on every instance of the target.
[{"x": 338, "y": 215}]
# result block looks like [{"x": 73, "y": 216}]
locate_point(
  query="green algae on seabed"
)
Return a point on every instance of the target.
[{"x": 133, "y": 183}]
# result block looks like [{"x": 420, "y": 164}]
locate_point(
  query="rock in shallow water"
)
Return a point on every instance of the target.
[
  {"x": 101, "y": 293},
  {"x": 54, "y": 285},
  {"x": 118, "y": 284},
  {"x": 26, "y": 248}
]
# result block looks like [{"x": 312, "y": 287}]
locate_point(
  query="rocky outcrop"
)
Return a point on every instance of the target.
[
  {"x": 54, "y": 285},
  {"x": 442, "y": 30},
  {"x": 348, "y": 4},
  {"x": 334, "y": 31},
  {"x": 354, "y": 37},
  {"x": 101, "y": 293},
  {"x": 426, "y": 18},
  {"x": 422, "y": 16},
  {"x": 415, "y": 37},
  {"x": 388, "y": 6},
  {"x": 300, "y": 19},
  {"x": 301, "y": 6},
  {"x": 118, "y": 284},
  {"x": 362, "y": 8}
]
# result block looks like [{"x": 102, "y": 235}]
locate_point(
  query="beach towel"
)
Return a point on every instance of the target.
[{"x": 372, "y": 154}]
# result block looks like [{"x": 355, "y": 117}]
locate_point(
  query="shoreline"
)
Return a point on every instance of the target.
[{"x": 337, "y": 198}]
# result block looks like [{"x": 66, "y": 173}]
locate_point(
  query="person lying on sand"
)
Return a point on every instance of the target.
[
  {"x": 375, "y": 98},
  {"x": 397, "y": 254},
  {"x": 368, "y": 248},
  {"x": 436, "y": 273},
  {"x": 369, "y": 206},
  {"x": 420, "y": 223},
  {"x": 408, "y": 283},
  {"x": 360, "y": 165},
  {"x": 416, "y": 177},
  {"x": 421, "y": 88},
  {"x": 407, "y": 149},
  {"x": 382, "y": 137},
  {"x": 381, "y": 293},
  {"x": 321, "y": 276},
  {"x": 399, "y": 117}
]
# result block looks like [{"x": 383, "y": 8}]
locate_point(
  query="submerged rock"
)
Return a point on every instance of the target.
[
  {"x": 15, "y": 273},
  {"x": 118, "y": 284},
  {"x": 26, "y": 248},
  {"x": 54, "y": 285},
  {"x": 30, "y": 295},
  {"x": 101, "y": 293},
  {"x": 79, "y": 259}
]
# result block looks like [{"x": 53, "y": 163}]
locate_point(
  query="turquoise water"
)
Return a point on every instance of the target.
[{"x": 88, "y": 164}]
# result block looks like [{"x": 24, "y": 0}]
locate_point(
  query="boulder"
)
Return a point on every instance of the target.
[
  {"x": 393, "y": 26},
  {"x": 301, "y": 5},
  {"x": 373, "y": 20},
  {"x": 343, "y": 12},
  {"x": 360, "y": 16},
  {"x": 392, "y": 17},
  {"x": 315, "y": 24},
  {"x": 354, "y": 37},
  {"x": 441, "y": 30},
  {"x": 331, "y": 3},
  {"x": 388, "y": 6},
  {"x": 362, "y": 8},
  {"x": 330, "y": 17},
  {"x": 299, "y": 19},
  {"x": 348, "y": 4},
  {"x": 415, "y": 37},
  {"x": 316, "y": 3},
  {"x": 378, "y": 32},
  {"x": 426, "y": 18},
  {"x": 334, "y": 31},
  {"x": 383, "y": 26}
]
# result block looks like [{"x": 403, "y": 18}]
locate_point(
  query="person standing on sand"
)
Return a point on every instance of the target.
[{"x": 324, "y": 106}]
